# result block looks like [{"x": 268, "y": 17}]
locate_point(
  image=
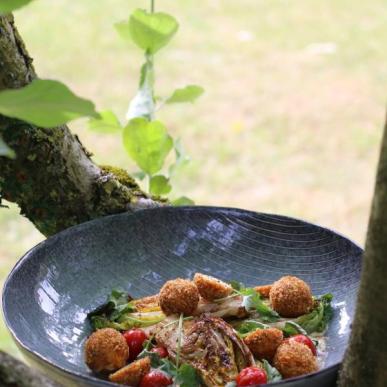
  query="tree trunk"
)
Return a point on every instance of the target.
[
  {"x": 365, "y": 362},
  {"x": 53, "y": 179}
]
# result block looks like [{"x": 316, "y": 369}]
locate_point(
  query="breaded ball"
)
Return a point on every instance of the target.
[
  {"x": 263, "y": 343},
  {"x": 291, "y": 297},
  {"x": 106, "y": 350},
  {"x": 211, "y": 288},
  {"x": 294, "y": 359},
  {"x": 179, "y": 296},
  {"x": 132, "y": 374},
  {"x": 263, "y": 290}
]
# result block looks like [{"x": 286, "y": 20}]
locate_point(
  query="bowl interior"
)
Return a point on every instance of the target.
[{"x": 53, "y": 287}]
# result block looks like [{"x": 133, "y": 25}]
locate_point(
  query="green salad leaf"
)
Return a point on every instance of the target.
[
  {"x": 252, "y": 301},
  {"x": 291, "y": 328},
  {"x": 249, "y": 326},
  {"x": 119, "y": 312},
  {"x": 272, "y": 373},
  {"x": 187, "y": 376},
  {"x": 318, "y": 319}
]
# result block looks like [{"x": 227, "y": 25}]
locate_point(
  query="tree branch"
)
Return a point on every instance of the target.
[
  {"x": 14, "y": 373},
  {"x": 53, "y": 179},
  {"x": 365, "y": 360}
]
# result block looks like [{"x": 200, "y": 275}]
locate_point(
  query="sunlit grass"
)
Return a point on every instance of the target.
[{"x": 291, "y": 118}]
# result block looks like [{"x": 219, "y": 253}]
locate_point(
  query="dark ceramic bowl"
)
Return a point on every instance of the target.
[{"x": 52, "y": 288}]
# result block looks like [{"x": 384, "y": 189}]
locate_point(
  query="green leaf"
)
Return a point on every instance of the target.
[
  {"x": 106, "y": 123},
  {"x": 148, "y": 143},
  {"x": 272, "y": 373},
  {"x": 249, "y": 326},
  {"x": 159, "y": 185},
  {"x": 291, "y": 328},
  {"x": 149, "y": 31},
  {"x": 45, "y": 103},
  {"x": 187, "y": 94},
  {"x": 187, "y": 376},
  {"x": 236, "y": 285},
  {"x": 142, "y": 105},
  {"x": 139, "y": 175},
  {"x": 5, "y": 150},
  {"x": 318, "y": 319},
  {"x": 8, "y": 6},
  {"x": 183, "y": 201},
  {"x": 252, "y": 301},
  {"x": 181, "y": 158}
]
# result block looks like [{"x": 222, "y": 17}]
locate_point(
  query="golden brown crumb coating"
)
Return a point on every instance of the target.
[
  {"x": 291, "y": 297},
  {"x": 263, "y": 343},
  {"x": 132, "y": 374},
  {"x": 294, "y": 359},
  {"x": 179, "y": 296},
  {"x": 263, "y": 290},
  {"x": 106, "y": 350},
  {"x": 211, "y": 288}
]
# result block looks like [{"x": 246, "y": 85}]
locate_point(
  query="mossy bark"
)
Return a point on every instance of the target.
[
  {"x": 53, "y": 178},
  {"x": 365, "y": 362},
  {"x": 16, "y": 374}
]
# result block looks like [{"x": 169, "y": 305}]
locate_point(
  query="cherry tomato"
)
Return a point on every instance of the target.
[
  {"x": 251, "y": 376},
  {"x": 135, "y": 339},
  {"x": 304, "y": 340},
  {"x": 156, "y": 378},
  {"x": 161, "y": 351}
]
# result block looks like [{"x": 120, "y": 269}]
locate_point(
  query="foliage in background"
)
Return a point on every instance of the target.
[{"x": 49, "y": 103}]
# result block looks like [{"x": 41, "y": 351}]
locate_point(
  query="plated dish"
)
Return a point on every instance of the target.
[
  {"x": 206, "y": 332},
  {"x": 49, "y": 293}
]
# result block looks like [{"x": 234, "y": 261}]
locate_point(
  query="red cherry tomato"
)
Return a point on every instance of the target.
[
  {"x": 251, "y": 376},
  {"x": 156, "y": 378},
  {"x": 161, "y": 351},
  {"x": 304, "y": 340},
  {"x": 135, "y": 339}
]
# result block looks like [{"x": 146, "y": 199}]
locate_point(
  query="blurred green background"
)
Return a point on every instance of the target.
[{"x": 292, "y": 115}]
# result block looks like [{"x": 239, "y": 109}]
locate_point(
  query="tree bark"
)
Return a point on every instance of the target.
[
  {"x": 53, "y": 179},
  {"x": 366, "y": 357},
  {"x": 16, "y": 374}
]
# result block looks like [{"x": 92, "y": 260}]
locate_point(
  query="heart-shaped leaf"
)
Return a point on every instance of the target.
[
  {"x": 45, "y": 103},
  {"x": 183, "y": 201},
  {"x": 7, "y": 6},
  {"x": 149, "y": 31},
  {"x": 159, "y": 185},
  {"x": 106, "y": 123},
  {"x": 148, "y": 143},
  {"x": 5, "y": 150},
  {"x": 187, "y": 94}
]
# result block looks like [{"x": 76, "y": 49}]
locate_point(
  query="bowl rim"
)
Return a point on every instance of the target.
[{"x": 42, "y": 359}]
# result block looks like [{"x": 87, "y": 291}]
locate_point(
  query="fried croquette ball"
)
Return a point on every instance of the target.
[
  {"x": 211, "y": 288},
  {"x": 132, "y": 374},
  {"x": 179, "y": 296},
  {"x": 263, "y": 290},
  {"x": 106, "y": 350},
  {"x": 294, "y": 359},
  {"x": 263, "y": 343},
  {"x": 291, "y": 297}
]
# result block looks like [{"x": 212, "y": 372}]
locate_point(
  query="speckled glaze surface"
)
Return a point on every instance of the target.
[{"x": 52, "y": 288}]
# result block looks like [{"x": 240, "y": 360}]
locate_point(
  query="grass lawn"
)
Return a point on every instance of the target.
[{"x": 292, "y": 115}]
